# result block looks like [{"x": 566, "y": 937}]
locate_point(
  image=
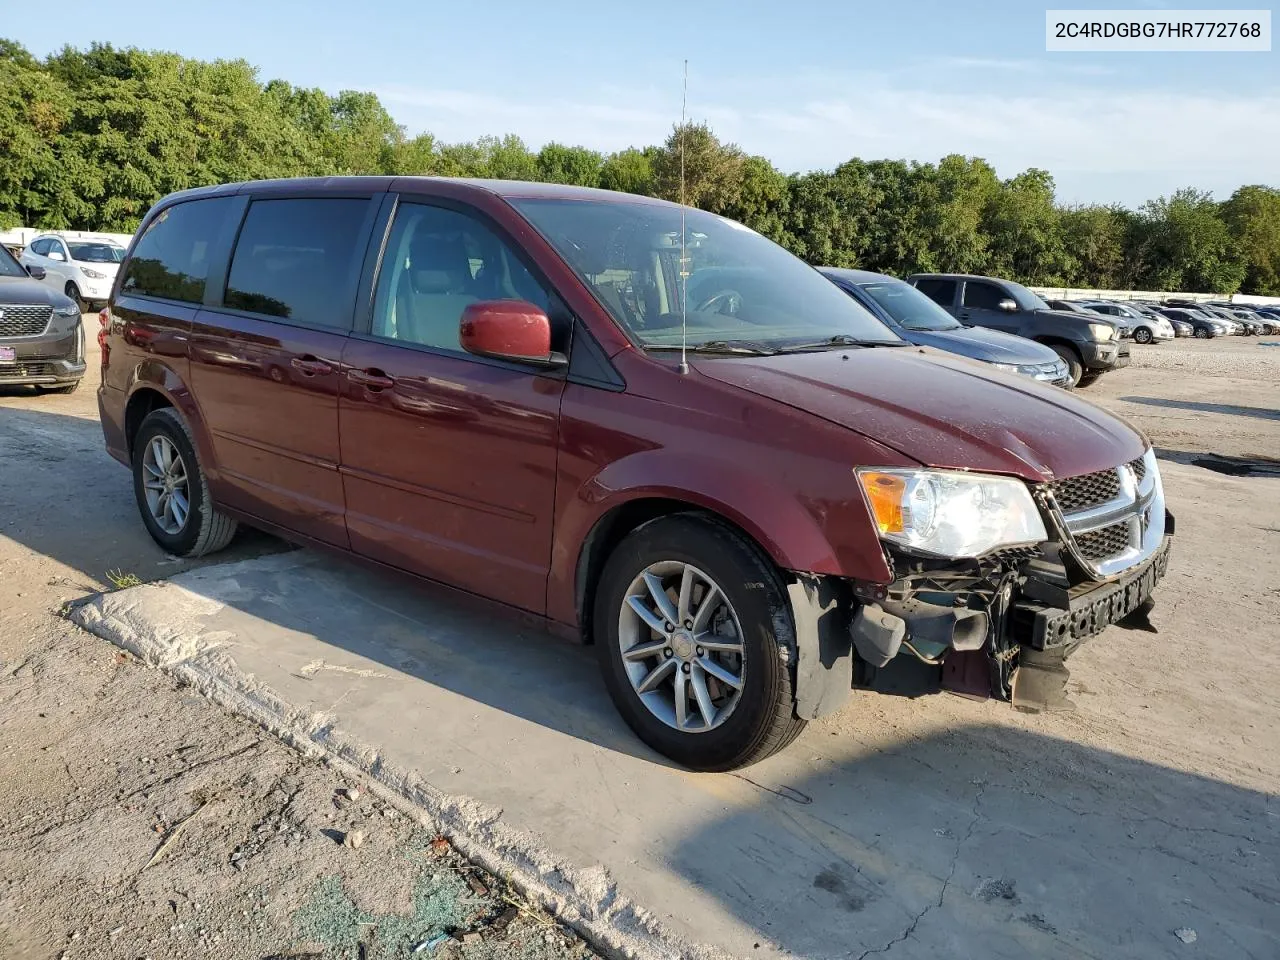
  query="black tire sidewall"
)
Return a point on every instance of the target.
[
  {"x": 1075, "y": 367},
  {"x": 756, "y": 599},
  {"x": 163, "y": 422},
  {"x": 74, "y": 294}
]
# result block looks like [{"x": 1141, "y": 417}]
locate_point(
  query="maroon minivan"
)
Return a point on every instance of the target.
[{"x": 482, "y": 383}]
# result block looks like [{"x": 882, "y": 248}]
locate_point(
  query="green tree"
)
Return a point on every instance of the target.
[
  {"x": 694, "y": 166},
  {"x": 629, "y": 171},
  {"x": 1252, "y": 216},
  {"x": 557, "y": 163},
  {"x": 1182, "y": 243},
  {"x": 1024, "y": 231},
  {"x": 1095, "y": 239}
]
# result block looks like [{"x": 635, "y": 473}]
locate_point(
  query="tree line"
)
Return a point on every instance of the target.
[{"x": 89, "y": 139}]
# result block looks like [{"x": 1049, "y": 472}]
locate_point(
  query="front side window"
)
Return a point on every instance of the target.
[
  {"x": 941, "y": 292},
  {"x": 983, "y": 296},
  {"x": 9, "y": 267},
  {"x": 909, "y": 307},
  {"x": 735, "y": 285},
  {"x": 295, "y": 259},
  {"x": 41, "y": 247},
  {"x": 171, "y": 259},
  {"x": 437, "y": 262}
]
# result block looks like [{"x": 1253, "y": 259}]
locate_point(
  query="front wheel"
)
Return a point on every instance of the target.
[
  {"x": 71, "y": 387},
  {"x": 695, "y": 638},
  {"x": 72, "y": 291},
  {"x": 1075, "y": 367},
  {"x": 1089, "y": 378},
  {"x": 171, "y": 491},
  {"x": 1201, "y": 333},
  {"x": 1142, "y": 335}
]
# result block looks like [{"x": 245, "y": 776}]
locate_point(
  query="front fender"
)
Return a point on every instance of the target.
[{"x": 791, "y": 530}]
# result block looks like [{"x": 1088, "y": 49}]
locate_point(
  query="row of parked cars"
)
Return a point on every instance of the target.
[{"x": 1150, "y": 321}]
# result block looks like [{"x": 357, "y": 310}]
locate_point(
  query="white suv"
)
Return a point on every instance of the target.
[
  {"x": 1143, "y": 327},
  {"x": 84, "y": 268}
]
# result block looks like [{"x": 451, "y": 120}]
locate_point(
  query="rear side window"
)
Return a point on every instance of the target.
[
  {"x": 297, "y": 259},
  {"x": 983, "y": 296},
  {"x": 171, "y": 259},
  {"x": 939, "y": 291}
]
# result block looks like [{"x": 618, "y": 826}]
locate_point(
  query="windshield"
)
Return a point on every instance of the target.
[
  {"x": 1024, "y": 297},
  {"x": 908, "y": 306},
  {"x": 740, "y": 286},
  {"x": 96, "y": 252},
  {"x": 9, "y": 267}
]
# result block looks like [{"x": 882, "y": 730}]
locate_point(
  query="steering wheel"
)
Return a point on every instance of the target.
[{"x": 727, "y": 302}]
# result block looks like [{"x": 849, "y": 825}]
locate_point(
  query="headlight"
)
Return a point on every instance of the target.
[
  {"x": 93, "y": 274},
  {"x": 1102, "y": 331},
  {"x": 70, "y": 310},
  {"x": 951, "y": 514}
]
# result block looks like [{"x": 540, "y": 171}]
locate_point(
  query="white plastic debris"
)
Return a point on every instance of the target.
[{"x": 1185, "y": 934}]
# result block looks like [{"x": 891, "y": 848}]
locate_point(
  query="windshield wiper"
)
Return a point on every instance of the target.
[
  {"x": 745, "y": 347},
  {"x": 841, "y": 340}
]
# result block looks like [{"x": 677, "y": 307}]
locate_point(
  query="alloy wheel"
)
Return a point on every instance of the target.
[
  {"x": 682, "y": 646},
  {"x": 164, "y": 484}
]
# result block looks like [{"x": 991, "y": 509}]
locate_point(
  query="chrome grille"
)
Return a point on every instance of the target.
[
  {"x": 1113, "y": 519},
  {"x": 1087, "y": 491},
  {"x": 1107, "y": 542},
  {"x": 24, "y": 319}
]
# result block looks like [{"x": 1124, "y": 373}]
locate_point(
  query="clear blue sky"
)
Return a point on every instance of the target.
[{"x": 807, "y": 84}]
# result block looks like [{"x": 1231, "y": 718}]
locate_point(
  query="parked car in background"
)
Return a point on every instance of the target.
[
  {"x": 1202, "y": 325},
  {"x": 1232, "y": 327},
  {"x": 1089, "y": 345},
  {"x": 917, "y": 319},
  {"x": 41, "y": 334},
  {"x": 1143, "y": 327},
  {"x": 493, "y": 394},
  {"x": 1181, "y": 327},
  {"x": 81, "y": 269},
  {"x": 1071, "y": 306}
]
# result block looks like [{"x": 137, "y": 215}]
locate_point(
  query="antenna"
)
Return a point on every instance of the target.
[{"x": 684, "y": 255}]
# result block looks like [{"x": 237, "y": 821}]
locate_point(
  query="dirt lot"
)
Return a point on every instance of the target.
[{"x": 139, "y": 819}]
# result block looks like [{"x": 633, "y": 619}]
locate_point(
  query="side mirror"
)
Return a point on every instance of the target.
[
  {"x": 1008, "y": 306},
  {"x": 35, "y": 272},
  {"x": 508, "y": 330},
  {"x": 56, "y": 255}
]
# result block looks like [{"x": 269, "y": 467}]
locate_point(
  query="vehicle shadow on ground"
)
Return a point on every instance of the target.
[
  {"x": 1260, "y": 413},
  {"x": 991, "y": 841},
  {"x": 63, "y": 496}
]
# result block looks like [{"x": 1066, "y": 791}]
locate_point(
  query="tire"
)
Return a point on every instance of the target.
[
  {"x": 1075, "y": 366},
  {"x": 204, "y": 529},
  {"x": 62, "y": 388},
  {"x": 1090, "y": 378},
  {"x": 1142, "y": 335},
  {"x": 1200, "y": 333},
  {"x": 72, "y": 291},
  {"x": 761, "y": 720}
]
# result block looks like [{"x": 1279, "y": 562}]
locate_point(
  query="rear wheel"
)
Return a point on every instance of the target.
[
  {"x": 694, "y": 639},
  {"x": 171, "y": 491},
  {"x": 1075, "y": 366},
  {"x": 1142, "y": 335}
]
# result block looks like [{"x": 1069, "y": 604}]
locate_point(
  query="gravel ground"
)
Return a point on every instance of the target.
[{"x": 138, "y": 820}]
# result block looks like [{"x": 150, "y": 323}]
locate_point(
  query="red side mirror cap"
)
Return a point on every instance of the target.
[{"x": 508, "y": 330}]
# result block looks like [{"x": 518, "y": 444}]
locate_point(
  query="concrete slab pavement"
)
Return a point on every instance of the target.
[{"x": 913, "y": 826}]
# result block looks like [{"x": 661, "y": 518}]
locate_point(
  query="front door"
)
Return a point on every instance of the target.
[
  {"x": 266, "y": 360},
  {"x": 980, "y": 307},
  {"x": 449, "y": 460}
]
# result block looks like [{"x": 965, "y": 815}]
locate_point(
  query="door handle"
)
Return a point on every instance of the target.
[
  {"x": 310, "y": 366},
  {"x": 373, "y": 379}
]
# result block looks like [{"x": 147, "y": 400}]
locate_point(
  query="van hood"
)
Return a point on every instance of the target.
[{"x": 939, "y": 410}]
